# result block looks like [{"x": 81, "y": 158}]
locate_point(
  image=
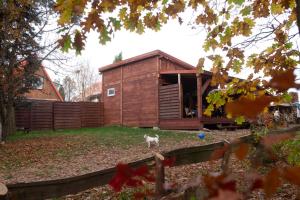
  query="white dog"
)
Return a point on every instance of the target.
[{"x": 150, "y": 140}]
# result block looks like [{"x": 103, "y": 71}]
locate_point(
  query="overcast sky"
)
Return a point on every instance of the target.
[{"x": 177, "y": 40}]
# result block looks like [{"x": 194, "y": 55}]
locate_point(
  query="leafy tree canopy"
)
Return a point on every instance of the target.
[
  {"x": 21, "y": 26},
  {"x": 235, "y": 30}
]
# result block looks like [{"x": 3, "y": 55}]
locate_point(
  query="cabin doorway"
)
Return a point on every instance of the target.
[
  {"x": 189, "y": 96},
  {"x": 178, "y": 96}
]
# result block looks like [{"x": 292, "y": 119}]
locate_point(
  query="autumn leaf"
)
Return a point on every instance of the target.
[
  {"x": 170, "y": 162},
  {"x": 257, "y": 184},
  {"x": 126, "y": 175},
  {"x": 78, "y": 42},
  {"x": 292, "y": 174},
  {"x": 247, "y": 107},
  {"x": 283, "y": 80},
  {"x": 272, "y": 182},
  {"x": 271, "y": 139},
  {"x": 227, "y": 194},
  {"x": 65, "y": 43},
  {"x": 219, "y": 153},
  {"x": 241, "y": 151},
  {"x": 200, "y": 65}
]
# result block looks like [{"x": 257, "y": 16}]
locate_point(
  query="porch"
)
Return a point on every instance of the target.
[
  {"x": 193, "y": 124},
  {"x": 182, "y": 100}
]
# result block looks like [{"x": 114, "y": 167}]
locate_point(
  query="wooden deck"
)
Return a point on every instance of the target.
[
  {"x": 191, "y": 123},
  {"x": 178, "y": 124},
  {"x": 216, "y": 120}
]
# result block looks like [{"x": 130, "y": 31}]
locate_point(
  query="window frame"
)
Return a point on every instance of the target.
[
  {"x": 41, "y": 86},
  {"x": 109, "y": 90}
]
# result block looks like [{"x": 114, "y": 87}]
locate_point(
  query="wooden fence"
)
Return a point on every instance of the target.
[
  {"x": 47, "y": 115},
  {"x": 60, "y": 187}
]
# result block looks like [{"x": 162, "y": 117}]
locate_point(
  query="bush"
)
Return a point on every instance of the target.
[{"x": 289, "y": 150}]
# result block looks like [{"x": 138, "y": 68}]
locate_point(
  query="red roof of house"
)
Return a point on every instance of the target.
[
  {"x": 146, "y": 56},
  {"x": 24, "y": 63},
  {"x": 51, "y": 83}
]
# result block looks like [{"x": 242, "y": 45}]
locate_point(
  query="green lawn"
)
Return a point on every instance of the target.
[
  {"x": 51, "y": 154},
  {"x": 120, "y": 136},
  {"x": 116, "y": 136}
]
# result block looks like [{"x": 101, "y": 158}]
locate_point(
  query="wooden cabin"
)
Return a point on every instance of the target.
[{"x": 156, "y": 90}]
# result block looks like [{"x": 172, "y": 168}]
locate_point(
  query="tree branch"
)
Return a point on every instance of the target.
[{"x": 298, "y": 14}]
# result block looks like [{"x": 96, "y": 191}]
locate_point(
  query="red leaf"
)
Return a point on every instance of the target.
[
  {"x": 258, "y": 183},
  {"x": 124, "y": 169},
  {"x": 150, "y": 178},
  {"x": 117, "y": 182},
  {"x": 226, "y": 195},
  {"x": 126, "y": 175},
  {"x": 141, "y": 171},
  {"x": 272, "y": 139},
  {"x": 283, "y": 80},
  {"x": 219, "y": 153},
  {"x": 214, "y": 183},
  {"x": 123, "y": 174},
  {"x": 230, "y": 185},
  {"x": 134, "y": 182},
  {"x": 292, "y": 174},
  {"x": 255, "y": 179},
  {"x": 139, "y": 195},
  {"x": 247, "y": 107},
  {"x": 241, "y": 151},
  {"x": 169, "y": 162},
  {"x": 272, "y": 182}
]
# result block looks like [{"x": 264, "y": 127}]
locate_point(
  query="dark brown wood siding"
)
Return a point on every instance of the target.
[
  {"x": 22, "y": 115},
  {"x": 169, "y": 65},
  {"x": 112, "y": 79},
  {"x": 67, "y": 115},
  {"x": 135, "y": 101},
  {"x": 89, "y": 114},
  {"x": 41, "y": 115},
  {"x": 169, "y": 102},
  {"x": 176, "y": 124},
  {"x": 140, "y": 84}
]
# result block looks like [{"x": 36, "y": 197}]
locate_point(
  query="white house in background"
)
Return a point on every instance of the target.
[{"x": 91, "y": 94}]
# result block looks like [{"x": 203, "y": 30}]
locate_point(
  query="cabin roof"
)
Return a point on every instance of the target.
[{"x": 146, "y": 56}]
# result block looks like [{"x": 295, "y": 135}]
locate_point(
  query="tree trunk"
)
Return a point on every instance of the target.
[
  {"x": 9, "y": 126},
  {"x": 298, "y": 14},
  {"x": 0, "y": 130}
]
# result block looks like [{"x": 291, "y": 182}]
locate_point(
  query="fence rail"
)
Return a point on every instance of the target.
[
  {"x": 47, "y": 115},
  {"x": 61, "y": 187}
]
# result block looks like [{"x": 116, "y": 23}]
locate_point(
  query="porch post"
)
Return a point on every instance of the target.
[
  {"x": 180, "y": 96},
  {"x": 199, "y": 95}
]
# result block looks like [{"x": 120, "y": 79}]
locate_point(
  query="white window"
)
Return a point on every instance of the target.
[
  {"x": 111, "y": 92},
  {"x": 39, "y": 85}
]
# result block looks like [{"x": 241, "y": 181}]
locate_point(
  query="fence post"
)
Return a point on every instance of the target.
[
  {"x": 225, "y": 161},
  {"x": 160, "y": 177},
  {"x": 53, "y": 116},
  {"x": 3, "y": 191},
  {"x": 30, "y": 115}
]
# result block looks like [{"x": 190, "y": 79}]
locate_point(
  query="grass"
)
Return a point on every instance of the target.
[
  {"x": 120, "y": 136},
  {"x": 49, "y": 147}
]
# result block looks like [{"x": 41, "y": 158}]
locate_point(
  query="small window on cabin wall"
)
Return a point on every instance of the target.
[
  {"x": 39, "y": 84},
  {"x": 111, "y": 92}
]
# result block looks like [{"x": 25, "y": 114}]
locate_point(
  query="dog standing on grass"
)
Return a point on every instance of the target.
[{"x": 150, "y": 140}]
